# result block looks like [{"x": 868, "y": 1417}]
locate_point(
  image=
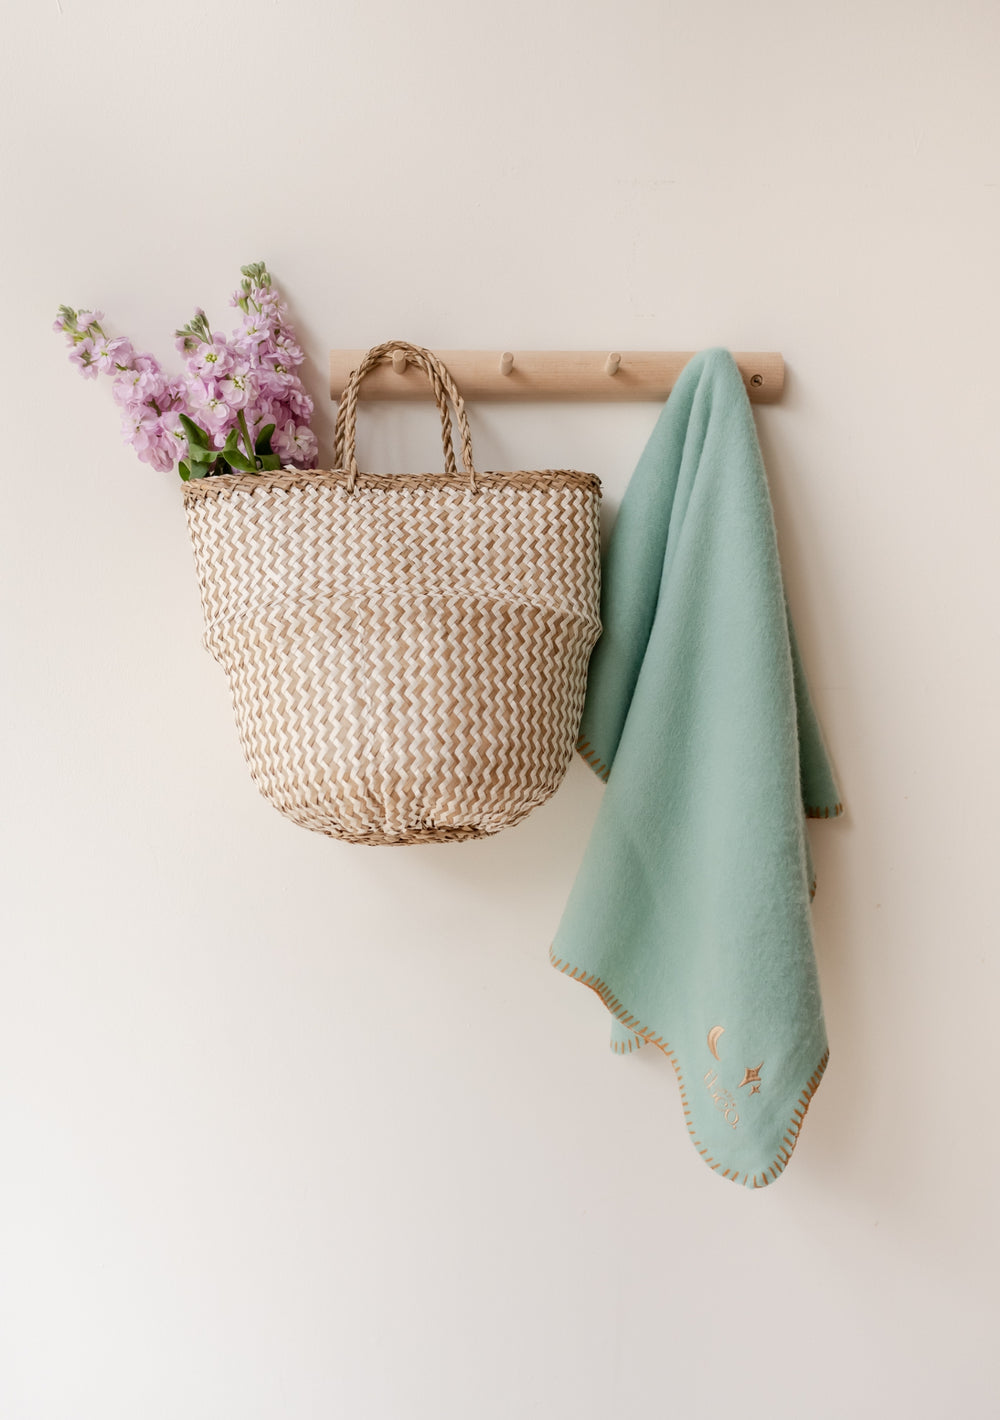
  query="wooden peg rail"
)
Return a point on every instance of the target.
[{"x": 554, "y": 374}]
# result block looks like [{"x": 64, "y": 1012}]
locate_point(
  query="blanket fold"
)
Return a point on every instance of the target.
[{"x": 690, "y": 915}]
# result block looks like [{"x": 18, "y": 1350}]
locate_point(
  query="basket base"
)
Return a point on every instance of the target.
[{"x": 415, "y": 835}]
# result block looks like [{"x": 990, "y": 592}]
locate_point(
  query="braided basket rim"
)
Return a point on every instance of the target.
[{"x": 220, "y": 485}]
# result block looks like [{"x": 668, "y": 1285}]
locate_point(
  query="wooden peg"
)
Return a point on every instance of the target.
[
  {"x": 506, "y": 363},
  {"x": 612, "y": 363},
  {"x": 399, "y": 361}
]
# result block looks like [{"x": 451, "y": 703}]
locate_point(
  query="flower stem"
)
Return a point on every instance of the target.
[{"x": 251, "y": 454}]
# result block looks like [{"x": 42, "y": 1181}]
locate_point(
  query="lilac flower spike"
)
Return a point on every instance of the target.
[{"x": 235, "y": 395}]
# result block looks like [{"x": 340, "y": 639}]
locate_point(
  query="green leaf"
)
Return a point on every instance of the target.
[
  {"x": 263, "y": 444},
  {"x": 184, "y": 471},
  {"x": 268, "y": 461},
  {"x": 201, "y": 461},
  {"x": 197, "y": 437},
  {"x": 235, "y": 459}
]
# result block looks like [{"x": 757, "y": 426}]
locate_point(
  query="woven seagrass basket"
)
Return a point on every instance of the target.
[{"x": 407, "y": 654}]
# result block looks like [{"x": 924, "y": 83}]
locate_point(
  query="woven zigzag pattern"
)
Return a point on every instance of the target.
[{"x": 407, "y": 661}]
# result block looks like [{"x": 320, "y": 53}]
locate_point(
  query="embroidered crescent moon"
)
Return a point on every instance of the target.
[{"x": 713, "y": 1039}]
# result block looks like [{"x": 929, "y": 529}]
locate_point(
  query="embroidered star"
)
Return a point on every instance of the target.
[
  {"x": 752, "y": 1077},
  {"x": 755, "y": 1089}
]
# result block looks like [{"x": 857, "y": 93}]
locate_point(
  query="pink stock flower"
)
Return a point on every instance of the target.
[
  {"x": 139, "y": 386},
  {"x": 286, "y": 349},
  {"x": 211, "y": 406},
  {"x": 212, "y": 360},
  {"x": 294, "y": 444},
  {"x": 285, "y": 387},
  {"x": 174, "y": 396},
  {"x": 142, "y": 429},
  {"x": 256, "y": 327},
  {"x": 175, "y": 439},
  {"x": 259, "y": 414},
  {"x": 112, "y": 355},
  {"x": 82, "y": 356},
  {"x": 301, "y": 404},
  {"x": 265, "y": 302},
  {"x": 160, "y": 456},
  {"x": 274, "y": 384},
  {"x": 238, "y": 388},
  {"x": 218, "y": 413}
]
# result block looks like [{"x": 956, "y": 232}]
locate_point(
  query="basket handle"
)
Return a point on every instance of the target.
[
  {"x": 368, "y": 363},
  {"x": 443, "y": 388}
]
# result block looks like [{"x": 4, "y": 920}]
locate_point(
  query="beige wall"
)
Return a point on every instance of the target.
[{"x": 292, "y": 1129}]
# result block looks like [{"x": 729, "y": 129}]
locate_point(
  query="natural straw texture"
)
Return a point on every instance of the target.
[{"x": 407, "y": 653}]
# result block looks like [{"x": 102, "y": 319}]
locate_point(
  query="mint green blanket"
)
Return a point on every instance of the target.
[{"x": 690, "y": 916}]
